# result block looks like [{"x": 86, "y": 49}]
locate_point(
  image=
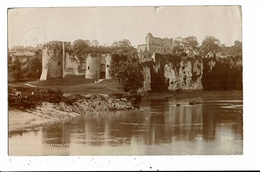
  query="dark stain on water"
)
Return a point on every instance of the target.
[{"x": 212, "y": 127}]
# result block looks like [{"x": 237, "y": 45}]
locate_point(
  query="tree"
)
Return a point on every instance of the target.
[
  {"x": 237, "y": 48},
  {"x": 95, "y": 43},
  {"x": 191, "y": 42},
  {"x": 33, "y": 69},
  {"x": 122, "y": 43},
  {"x": 183, "y": 44},
  {"x": 210, "y": 44},
  {"x": 15, "y": 69},
  {"x": 122, "y": 46},
  {"x": 80, "y": 47},
  {"x": 129, "y": 76}
]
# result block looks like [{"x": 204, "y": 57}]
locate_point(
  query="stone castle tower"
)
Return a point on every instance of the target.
[
  {"x": 97, "y": 66},
  {"x": 58, "y": 61},
  {"x": 53, "y": 55}
]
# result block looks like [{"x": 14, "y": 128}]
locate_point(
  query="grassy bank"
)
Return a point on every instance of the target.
[{"x": 71, "y": 84}]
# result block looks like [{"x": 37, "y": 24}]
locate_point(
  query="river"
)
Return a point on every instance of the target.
[{"x": 213, "y": 127}]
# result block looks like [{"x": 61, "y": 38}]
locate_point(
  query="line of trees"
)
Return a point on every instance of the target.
[
  {"x": 25, "y": 68},
  {"x": 209, "y": 44}
]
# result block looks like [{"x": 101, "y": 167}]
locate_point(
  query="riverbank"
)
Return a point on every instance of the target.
[
  {"x": 53, "y": 106},
  {"x": 194, "y": 94},
  {"x": 48, "y": 106}
]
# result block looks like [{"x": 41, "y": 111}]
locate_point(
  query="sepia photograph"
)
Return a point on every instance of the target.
[{"x": 132, "y": 81}]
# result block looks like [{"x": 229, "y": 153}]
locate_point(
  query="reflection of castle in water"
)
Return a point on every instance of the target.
[
  {"x": 187, "y": 122},
  {"x": 160, "y": 122}
]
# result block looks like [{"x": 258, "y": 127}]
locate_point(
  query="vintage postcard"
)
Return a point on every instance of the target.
[{"x": 136, "y": 81}]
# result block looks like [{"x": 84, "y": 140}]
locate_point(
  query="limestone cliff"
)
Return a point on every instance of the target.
[{"x": 173, "y": 73}]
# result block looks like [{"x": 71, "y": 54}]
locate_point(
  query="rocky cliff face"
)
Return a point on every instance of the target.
[
  {"x": 186, "y": 77},
  {"x": 169, "y": 73}
]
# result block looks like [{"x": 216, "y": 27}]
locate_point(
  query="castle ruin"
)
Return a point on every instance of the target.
[
  {"x": 97, "y": 66},
  {"x": 154, "y": 45},
  {"x": 58, "y": 61},
  {"x": 163, "y": 70}
]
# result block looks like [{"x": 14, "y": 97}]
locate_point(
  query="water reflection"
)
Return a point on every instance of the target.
[{"x": 160, "y": 127}]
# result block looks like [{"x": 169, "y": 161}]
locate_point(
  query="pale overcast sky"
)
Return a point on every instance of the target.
[{"x": 29, "y": 26}]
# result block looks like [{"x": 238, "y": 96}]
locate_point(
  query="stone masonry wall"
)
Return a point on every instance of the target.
[
  {"x": 72, "y": 64},
  {"x": 108, "y": 65},
  {"x": 55, "y": 64},
  {"x": 93, "y": 67}
]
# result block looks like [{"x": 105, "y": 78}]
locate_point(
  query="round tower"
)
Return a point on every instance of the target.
[
  {"x": 45, "y": 62},
  {"x": 108, "y": 65},
  {"x": 93, "y": 67}
]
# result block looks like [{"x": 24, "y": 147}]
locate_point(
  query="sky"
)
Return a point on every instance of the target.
[{"x": 31, "y": 26}]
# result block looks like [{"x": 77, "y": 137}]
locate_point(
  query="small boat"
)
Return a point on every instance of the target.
[{"x": 193, "y": 102}]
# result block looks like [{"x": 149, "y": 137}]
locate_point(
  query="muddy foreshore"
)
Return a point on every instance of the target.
[
  {"x": 38, "y": 108},
  {"x": 54, "y": 106}
]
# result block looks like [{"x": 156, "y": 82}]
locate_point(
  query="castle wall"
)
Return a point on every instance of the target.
[
  {"x": 93, "y": 67},
  {"x": 154, "y": 45},
  {"x": 55, "y": 64},
  {"x": 98, "y": 66},
  {"x": 58, "y": 61},
  {"x": 158, "y": 41},
  {"x": 108, "y": 65},
  {"x": 45, "y": 62},
  {"x": 71, "y": 65},
  {"x": 160, "y": 49},
  {"x": 52, "y": 62}
]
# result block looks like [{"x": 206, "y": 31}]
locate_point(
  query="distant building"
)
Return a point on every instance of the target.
[
  {"x": 22, "y": 55},
  {"x": 154, "y": 45}
]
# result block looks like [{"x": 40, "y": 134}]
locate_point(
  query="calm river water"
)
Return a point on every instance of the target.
[{"x": 214, "y": 127}]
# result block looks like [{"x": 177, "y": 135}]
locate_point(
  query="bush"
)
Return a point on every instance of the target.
[{"x": 129, "y": 76}]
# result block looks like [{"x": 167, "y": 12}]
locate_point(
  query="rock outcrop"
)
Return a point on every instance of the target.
[{"x": 168, "y": 72}]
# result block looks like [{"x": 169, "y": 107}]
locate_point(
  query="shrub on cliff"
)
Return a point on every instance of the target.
[
  {"x": 128, "y": 75},
  {"x": 225, "y": 74}
]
